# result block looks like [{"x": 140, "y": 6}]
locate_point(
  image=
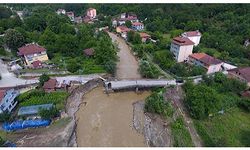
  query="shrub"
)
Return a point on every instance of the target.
[
  {"x": 1, "y": 142},
  {"x": 156, "y": 104},
  {"x": 43, "y": 78},
  {"x": 49, "y": 114},
  {"x": 5, "y": 117}
]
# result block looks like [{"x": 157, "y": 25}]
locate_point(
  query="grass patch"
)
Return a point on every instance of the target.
[
  {"x": 230, "y": 129},
  {"x": 180, "y": 134},
  {"x": 36, "y": 97}
]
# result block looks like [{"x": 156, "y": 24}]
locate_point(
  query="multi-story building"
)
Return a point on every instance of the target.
[
  {"x": 137, "y": 26},
  {"x": 123, "y": 18},
  {"x": 32, "y": 52},
  {"x": 242, "y": 74},
  {"x": 181, "y": 47},
  {"x": 194, "y": 36},
  {"x": 208, "y": 62},
  {"x": 91, "y": 12},
  {"x": 7, "y": 100}
]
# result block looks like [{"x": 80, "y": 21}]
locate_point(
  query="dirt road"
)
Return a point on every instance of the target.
[
  {"x": 176, "y": 97},
  {"x": 127, "y": 67}
]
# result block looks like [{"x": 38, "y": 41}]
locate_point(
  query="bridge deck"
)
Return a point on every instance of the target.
[{"x": 123, "y": 84}]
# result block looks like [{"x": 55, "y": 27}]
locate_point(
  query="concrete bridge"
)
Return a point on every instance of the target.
[{"x": 137, "y": 84}]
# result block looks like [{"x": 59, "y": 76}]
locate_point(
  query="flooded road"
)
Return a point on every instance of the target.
[
  {"x": 107, "y": 120},
  {"x": 127, "y": 66}
]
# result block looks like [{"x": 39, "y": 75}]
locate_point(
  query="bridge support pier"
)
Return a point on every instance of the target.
[{"x": 136, "y": 89}]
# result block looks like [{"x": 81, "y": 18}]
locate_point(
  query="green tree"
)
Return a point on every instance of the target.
[
  {"x": 128, "y": 24},
  {"x": 43, "y": 78},
  {"x": 14, "y": 40}
]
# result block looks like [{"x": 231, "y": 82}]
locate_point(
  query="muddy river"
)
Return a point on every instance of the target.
[{"x": 106, "y": 120}]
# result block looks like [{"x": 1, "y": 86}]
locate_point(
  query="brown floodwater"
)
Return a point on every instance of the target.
[{"x": 106, "y": 120}]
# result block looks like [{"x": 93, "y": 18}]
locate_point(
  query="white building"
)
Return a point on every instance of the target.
[
  {"x": 61, "y": 11},
  {"x": 91, "y": 12},
  {"x": 194, "y": 36},
  {"x": 181, "y": 47},
  {"x": 7, "y": 100}
]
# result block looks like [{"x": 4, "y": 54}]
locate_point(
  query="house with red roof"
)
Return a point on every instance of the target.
[
  {"x": 137, "y": 26},
  {"x": 7, "y": 100},
  {"x": 181, "y": 47},
  {"x": 123, "y": 30},
  {"x": 208, "y": 62},
  {"x": 32, "y": 52},
  {"x": 144, "y": 36},
  {"x": 194, "y": 36},
  {"x": 242, "y": 74}
]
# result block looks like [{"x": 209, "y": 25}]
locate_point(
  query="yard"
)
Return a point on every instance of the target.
[
  {"x": 36, "y": 97},
  {"x": 230, "y": 129}
]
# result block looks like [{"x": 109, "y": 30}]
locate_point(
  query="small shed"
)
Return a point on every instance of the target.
[
  {"x": 50, "y": 85},
  {"x": 33, "y": 110}
]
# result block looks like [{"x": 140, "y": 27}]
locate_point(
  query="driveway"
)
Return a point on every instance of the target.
[{"x": 9, "y": 79}]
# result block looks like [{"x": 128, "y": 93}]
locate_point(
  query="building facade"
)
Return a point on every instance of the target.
[
  {"x": 194, "y": 36},
  {"x": 91, "y": 12},
  {"x": 181, "y": 47},
  {"x": 242, "y": 74},
  {"x": 32, "y": 52},
  {"x": 137, "y": 26},
  {"x": 7, "y": 100},
  {"x": 210, "y": 63},
  {"x": 61, "y": 11}
]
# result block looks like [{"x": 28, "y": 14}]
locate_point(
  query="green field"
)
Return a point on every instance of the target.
[{"x": 228, "y": 130}]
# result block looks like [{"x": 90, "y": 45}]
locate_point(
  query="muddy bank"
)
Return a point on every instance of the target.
[
  {"x": 107, "y": 120},
  {"x": 156, "y": 131}
]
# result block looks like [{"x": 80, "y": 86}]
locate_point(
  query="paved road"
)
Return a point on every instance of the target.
[
  {"x": 9, "y": 79},
  {"x": 127, "y": 67}
]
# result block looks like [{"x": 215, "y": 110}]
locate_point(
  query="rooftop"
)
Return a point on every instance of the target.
[
  {"x": 34, "y": 109},
  {"x": 37, "y": 63},
  {"x": 137, "y": 23},
  {"x": 50, "y": 84},
  {"x": 244, "y": 72},
  {"x": 144, "y": 35},
  {"x": 182, "y": 41},
  {"x": 206, "y": 59},
  {"x": 124, "y": 28},
  {"x": 30, "y": 49},
  {"x": 192, "y": 33}
]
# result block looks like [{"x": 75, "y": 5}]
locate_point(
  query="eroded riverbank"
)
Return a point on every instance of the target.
[{"x": 107, "y": 120}]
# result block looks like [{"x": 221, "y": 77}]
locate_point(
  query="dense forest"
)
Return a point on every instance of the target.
[
  {"x": 63, "y": 40},
  {"x": 224, "y": 28}
]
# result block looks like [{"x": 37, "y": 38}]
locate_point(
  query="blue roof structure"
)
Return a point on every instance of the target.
[{"x": 33, "y": 110}]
